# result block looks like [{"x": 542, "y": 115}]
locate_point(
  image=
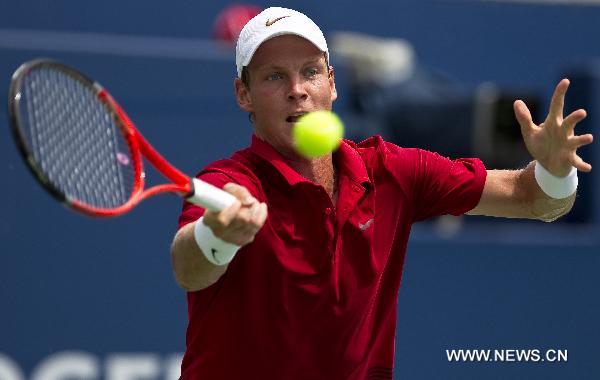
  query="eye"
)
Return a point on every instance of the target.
[
  {"x": 274, "y": 76},
  {"x": 311, "y": 72}
]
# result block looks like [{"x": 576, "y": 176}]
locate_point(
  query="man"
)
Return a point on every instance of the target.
[{"x": 311, "y": 293}]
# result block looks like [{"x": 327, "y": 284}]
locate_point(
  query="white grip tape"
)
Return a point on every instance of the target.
[
  {"x": 215, "y": 250},
  {"x": 556, "y": 187},
  {"x": 209, "y": 196}
]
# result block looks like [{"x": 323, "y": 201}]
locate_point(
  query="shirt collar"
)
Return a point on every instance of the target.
[
  {"x": 273, "y": 157},
  {"x": 351, "y": 164},
  {"x": 348, "y": 160}
]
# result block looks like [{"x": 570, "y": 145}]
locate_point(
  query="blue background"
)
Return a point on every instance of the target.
[{"x": 105, "y": 286}]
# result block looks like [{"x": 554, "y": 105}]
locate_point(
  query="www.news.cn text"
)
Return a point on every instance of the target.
[{"x": 507, "y": 355}]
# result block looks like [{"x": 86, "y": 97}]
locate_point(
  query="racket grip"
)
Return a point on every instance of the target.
[{"x": 209, "y": 197}]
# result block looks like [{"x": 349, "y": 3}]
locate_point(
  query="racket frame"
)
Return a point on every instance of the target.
[{"x": 207, "y": 195}]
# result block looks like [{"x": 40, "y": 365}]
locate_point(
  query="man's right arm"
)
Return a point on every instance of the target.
[{"x": 237, "y": 224}]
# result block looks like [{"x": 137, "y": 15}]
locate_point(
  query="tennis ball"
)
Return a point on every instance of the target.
[{"x": 318, "y": 133}]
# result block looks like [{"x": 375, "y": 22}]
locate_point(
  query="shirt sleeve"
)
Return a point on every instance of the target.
[{"x": 444, "y": 186}]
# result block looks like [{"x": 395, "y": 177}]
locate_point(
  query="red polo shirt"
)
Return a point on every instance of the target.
[{"x": 314, "y": 296}]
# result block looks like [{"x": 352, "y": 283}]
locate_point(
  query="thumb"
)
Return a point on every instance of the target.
[
  {"x": 523, "y": 115},
  {"x": 240, "y": 192}
]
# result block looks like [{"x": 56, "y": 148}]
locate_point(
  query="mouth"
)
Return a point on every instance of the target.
[{"x": 293, "y": 118}]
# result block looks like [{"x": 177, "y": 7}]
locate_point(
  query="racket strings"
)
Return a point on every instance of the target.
[{"x": 75, "y": 139}]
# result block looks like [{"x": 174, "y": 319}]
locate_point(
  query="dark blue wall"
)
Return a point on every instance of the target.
[{"x": 104, "y": 287}]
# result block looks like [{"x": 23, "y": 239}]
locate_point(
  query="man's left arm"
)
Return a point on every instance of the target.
[{"x": 553, "y": 144}]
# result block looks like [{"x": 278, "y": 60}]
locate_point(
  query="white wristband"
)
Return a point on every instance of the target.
[
  {"x": 215, "y": 250},
  {"x": 553, "y": 186}
]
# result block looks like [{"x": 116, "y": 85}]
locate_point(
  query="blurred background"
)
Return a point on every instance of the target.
[{"x": 82, "y": 298}]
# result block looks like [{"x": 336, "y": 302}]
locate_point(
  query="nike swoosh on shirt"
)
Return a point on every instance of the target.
[
  {"x": 269, "y": 22},
  {"x": 365, "y": 225}
]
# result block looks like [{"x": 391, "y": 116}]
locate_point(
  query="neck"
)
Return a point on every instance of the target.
[{"x": 320, "y": 170}]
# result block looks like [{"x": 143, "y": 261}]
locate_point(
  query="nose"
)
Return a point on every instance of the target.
[{"x": 297, "y": 89}]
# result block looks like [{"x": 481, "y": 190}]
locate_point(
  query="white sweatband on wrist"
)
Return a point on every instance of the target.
[
  {"x": 553, "y": 186},
  {"x": 215, "y": 250}
]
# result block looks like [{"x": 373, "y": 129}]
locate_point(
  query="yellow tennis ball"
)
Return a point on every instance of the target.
[{"x": 318, "y": 133}]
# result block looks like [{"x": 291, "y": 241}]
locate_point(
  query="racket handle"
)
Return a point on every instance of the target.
[{"x": 208, "y": 196}]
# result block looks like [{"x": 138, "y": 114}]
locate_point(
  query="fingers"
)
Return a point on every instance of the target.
[
  {"x": 557, "y": 103},
  {"x": 579, "y": 141},
  {"x": 555, "y": 115},
  {"x": 251, "y": 217},
  {"x": 575, "y": 117},
  {"x": 555, "y": 138},
  {"x": 523, "y": 116},
  {"x": 240, "y": 192},
  {"x": 261, "y": 216},
  {"x": 246, "y": 215},
  {"x": 579, "y": 164},
  {"x": 227, "y": 215},
  {"x": 238, "y": 223},
  {"x": 244, "y": 227},
  {"x": 251, "y": 212},
  {"x": 254, "y": 218},
  {"x": 224, "y": 217}
]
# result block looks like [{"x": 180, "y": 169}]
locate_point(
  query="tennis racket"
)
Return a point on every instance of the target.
[{"x": 84, "y": 150}]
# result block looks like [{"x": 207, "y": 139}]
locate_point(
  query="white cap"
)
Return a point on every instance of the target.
[{"x": 273, "y": 22}]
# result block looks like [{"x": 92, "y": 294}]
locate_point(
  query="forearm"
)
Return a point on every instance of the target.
[
  {"x": 516, "y": 194},
  {"x": 546, "y": 188},
  {"x": 192, "y": 270},
  {"x": 220, "y": 234},
  {"x": 539, "y": 204}
]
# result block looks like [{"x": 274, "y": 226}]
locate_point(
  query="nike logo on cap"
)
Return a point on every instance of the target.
[{"x": 269, "y": 22}]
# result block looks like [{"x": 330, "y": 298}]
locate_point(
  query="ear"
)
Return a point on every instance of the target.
[
  {"x": 332, "y": 83},
  {"x": 242, "y": 95}
]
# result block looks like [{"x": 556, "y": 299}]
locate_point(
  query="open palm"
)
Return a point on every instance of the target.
[{"x": 553, "y": 143}]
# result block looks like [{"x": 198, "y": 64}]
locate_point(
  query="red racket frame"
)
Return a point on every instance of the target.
[{"x": 138, "y": 146}]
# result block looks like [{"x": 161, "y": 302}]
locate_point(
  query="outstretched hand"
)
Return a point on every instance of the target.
[{"x": 553, "y": 143}]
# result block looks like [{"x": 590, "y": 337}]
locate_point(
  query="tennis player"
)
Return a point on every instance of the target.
[{"x": 308, "y": 289}]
